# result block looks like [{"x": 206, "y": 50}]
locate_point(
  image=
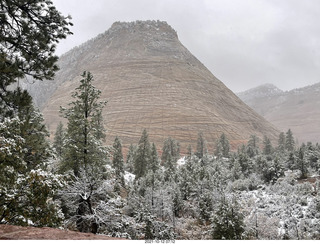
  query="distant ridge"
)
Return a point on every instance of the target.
[
  {"x": 297, "y": 109},
  {"x": 152, "y": 81}
]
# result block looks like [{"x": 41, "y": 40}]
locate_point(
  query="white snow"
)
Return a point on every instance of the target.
[{"x": 128, "y": 177}]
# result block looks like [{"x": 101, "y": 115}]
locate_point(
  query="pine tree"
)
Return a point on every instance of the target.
[
  {"x": 289, "y": 141},
  {"x": 282, "y": 142},
  {"x": 154, "y": 159},
  {"x": 228, "y": 222},
  {"x": 142, "y": 157},
  {"x": 267, "y": 147},
  {"x": 85, "y": 132},
  {"x": 130, "y": 159},
  {"x": 253, "y": 146},
  {"x": 223, "y": 146},
  {"x": 58, "y": 142},
  {"x": 201, "y": 146},
  {"x": 117, "y": 161},
  {"x": 171, "y": 148},
  {"x": 29, "y": 33}
]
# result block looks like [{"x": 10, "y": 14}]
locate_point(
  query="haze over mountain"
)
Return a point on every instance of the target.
[
  {"x": 151, "y": 81},
  {"x": 298, "y": 109}
]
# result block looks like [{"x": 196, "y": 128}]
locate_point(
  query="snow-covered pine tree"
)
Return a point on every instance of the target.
[
  {"x": 154, "y": 159},
  {"x": 142, "y": 157},
  {"x": 267, "y": 147},
  {"x": 171, "y": 147},
  {"x": 85, "y": 132},
  {"x": 289, "y": 141},
  {"x": 117, "y": 161},
  {"x": 201, "y": 146},
  {"x": 253, "y": 146},
  {"x": 227, "y": 222},
  {"x": 129, "y": 166},
  {"x": 222, "y": 146}
]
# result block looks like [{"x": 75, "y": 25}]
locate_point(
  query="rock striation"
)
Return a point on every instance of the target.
[{"x": 152, "y": 81}]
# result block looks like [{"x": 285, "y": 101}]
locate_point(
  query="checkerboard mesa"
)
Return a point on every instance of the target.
[{"x": 151, "y": 81}]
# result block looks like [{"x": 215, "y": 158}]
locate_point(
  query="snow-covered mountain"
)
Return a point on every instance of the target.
[{"x": 297, "y": 109}]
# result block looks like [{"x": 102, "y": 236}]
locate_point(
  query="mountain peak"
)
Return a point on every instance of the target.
[{"x": 151, "y": 26}]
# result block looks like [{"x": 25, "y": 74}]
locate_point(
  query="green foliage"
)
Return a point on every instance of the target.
[
  {"x": 29, "y": 33},
  {"x": 222, "y": 146},
  {"x": 117, "y": 161},
  {"x": 142, "y": 157},
  {"x": 85, "y": 132},
  {"x": 228, "y": 222},
  {"x": 267, "y": 146},
  {"x": 59, "y": 138},
  {"x": 129, "y": 166},
  {"x": 201, "y": 146},
  {"x": 289, "y": 141},
  {"x": 170, "y": 151}
]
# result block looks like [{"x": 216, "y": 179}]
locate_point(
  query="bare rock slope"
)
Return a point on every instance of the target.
[
  {"x": 152, "y": 81},
  {"x": 298, "y": 109}
]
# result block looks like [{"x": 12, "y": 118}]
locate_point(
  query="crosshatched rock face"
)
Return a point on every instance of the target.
[{"x": 152, "y": 81}]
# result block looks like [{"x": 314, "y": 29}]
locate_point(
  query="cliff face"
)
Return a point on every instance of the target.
[{"x": 152, "y": 81}]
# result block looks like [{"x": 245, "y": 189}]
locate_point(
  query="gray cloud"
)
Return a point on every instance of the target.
[{"x": 244, "y": 43}]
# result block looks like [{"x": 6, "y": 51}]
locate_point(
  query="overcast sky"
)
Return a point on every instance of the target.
[{"x": 244, "y": 43}]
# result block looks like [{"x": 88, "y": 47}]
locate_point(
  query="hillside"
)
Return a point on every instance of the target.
[
  {"x": 151, "y": 81},
  {"x": 297, "y": 109}
]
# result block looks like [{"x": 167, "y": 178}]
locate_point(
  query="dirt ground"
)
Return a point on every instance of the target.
[{"x": 11, "y": 232}]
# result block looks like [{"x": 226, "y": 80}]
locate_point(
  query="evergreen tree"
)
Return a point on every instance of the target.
[
  {"x": 130, "y": 159},
  {"x": 302, "y": 164},
  {"x": 289, "y": 141},
  {"x": 154, "y": 159},
  {"x": 29, "y": 33},
  {"x": 201, "y": 146},
  {"x": 171, "y": 148},
  {"x": 142, "y": 157},
  {"x": 58, "y": 142},
  {"x": 253, "y": 146},
  {"x": 117, "y": 161},
  {"x": 223, "y": 146},
  {"x": 228, "y": 222},
  {"x": 267, "y": 147},
  {"x": 83, "y": 147},
  {"x": 282, "y": 142}
]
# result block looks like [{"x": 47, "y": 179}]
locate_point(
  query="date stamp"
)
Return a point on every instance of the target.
[{"x": 160, "y": 241}]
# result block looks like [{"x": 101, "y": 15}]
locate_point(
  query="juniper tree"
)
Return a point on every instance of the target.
[{"x": 83, "y": 143}]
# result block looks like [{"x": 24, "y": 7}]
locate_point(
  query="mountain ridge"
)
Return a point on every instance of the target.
[{"x": 297, "y": 109}]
